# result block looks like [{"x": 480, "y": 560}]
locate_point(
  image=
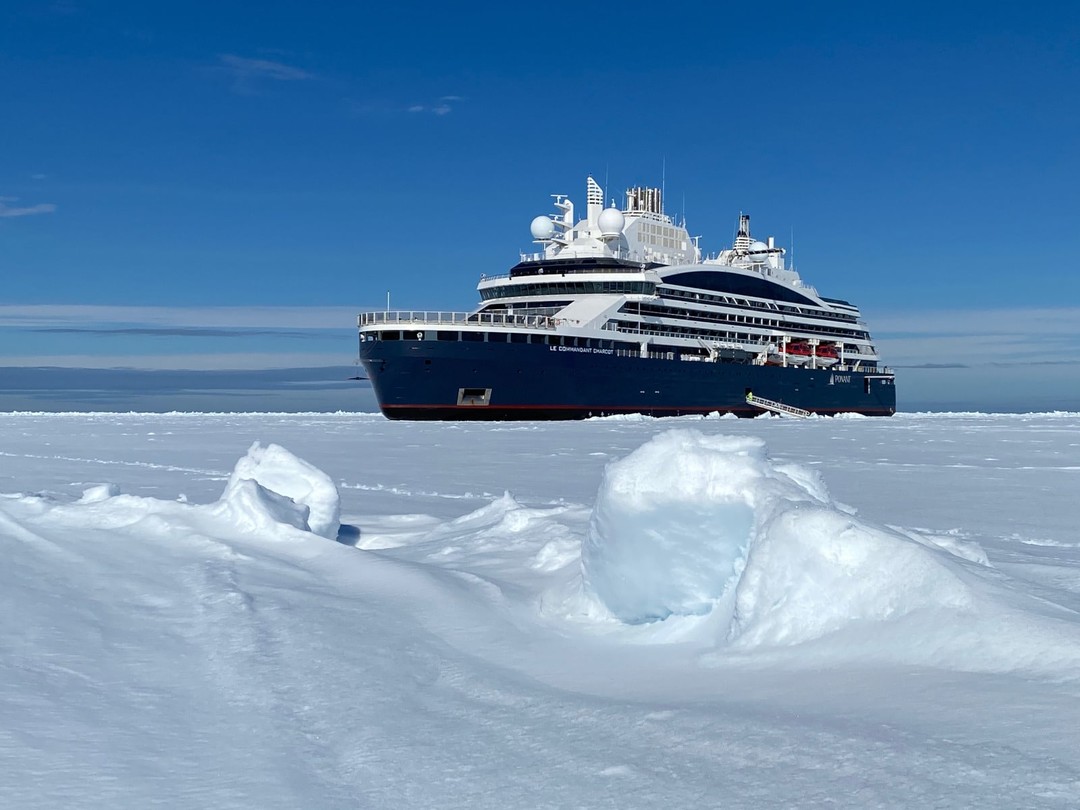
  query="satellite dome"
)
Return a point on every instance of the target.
[
  {"x": 761, "y": 249},
  {"x": 542, "y": 228},
  {"x": 611, "y": 222}
]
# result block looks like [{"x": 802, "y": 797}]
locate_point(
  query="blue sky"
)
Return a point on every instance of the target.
[{"x": 206, "y": 185}]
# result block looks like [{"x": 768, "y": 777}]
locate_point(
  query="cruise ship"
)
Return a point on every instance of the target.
[{"x": 620, "y": 312}]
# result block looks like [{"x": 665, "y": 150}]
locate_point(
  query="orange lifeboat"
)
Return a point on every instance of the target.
[
  {"x": 827, "y": 355},
  {"x": 798, "y": 353}
]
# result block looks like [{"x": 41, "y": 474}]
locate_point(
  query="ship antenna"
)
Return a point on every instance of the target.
[{"x": 792, "y": 262}]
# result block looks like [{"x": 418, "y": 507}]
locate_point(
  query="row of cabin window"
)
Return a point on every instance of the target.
[
  {"x": 499, "y": 337},
  {"x": 720, "y": 317},
  {"x": 664, "y": 330},
  {"x": 569, "y": 288},
  {"x": 668, "y": 292}
]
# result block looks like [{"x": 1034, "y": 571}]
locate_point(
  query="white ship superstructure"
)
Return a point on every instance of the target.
[{"x": 637, "y": 273}]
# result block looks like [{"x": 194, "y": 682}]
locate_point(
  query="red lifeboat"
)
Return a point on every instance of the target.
[
  {"x": 798, "y": 353},
  {"x": 827, "y": 355}
]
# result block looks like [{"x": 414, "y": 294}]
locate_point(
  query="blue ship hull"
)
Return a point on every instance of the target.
[{"x": 428, "y": 379}]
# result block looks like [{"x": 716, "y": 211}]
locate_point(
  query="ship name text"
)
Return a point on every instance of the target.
[{"x": 580, "y": 349}]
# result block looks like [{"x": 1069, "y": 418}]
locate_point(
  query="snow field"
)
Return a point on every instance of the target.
[{"x": 182, "y": 631}]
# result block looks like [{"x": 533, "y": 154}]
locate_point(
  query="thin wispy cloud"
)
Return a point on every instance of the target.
[
  {"x": 179, "y": 331},
  {"x": 385, "y": 109},
  {"x": 1004, "y": 321},
  {"x": 930, "y": 365},
  {"x": 221, "y": 360},
  {"x": 978, "y": 337},
  {"x": 444, "y": 106},
  {"x": 1039, "y": 363},
  {"x": 9, "y": 210},
  {"x": 247, "y": 74},
  {"x": 86, "y": 316}
]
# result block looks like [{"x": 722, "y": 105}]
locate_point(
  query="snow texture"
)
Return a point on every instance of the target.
[{"x": 613, "y": 613}]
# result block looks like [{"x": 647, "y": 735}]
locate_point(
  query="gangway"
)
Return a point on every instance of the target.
[{"x": 776, "y": 407}]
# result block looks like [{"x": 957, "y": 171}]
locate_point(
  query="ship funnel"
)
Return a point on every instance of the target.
[{"x": 642, "y": 199}]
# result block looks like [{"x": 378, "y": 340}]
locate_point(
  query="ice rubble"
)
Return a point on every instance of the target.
[{"x": 693, "y": 524}]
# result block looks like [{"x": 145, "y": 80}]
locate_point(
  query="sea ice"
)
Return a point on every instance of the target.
[
  {"x": 674, "y": 520},
  {"x": 922, "y": 653}
]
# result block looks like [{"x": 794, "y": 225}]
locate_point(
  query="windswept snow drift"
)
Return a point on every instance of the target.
[{"x": 271, "y": 494}]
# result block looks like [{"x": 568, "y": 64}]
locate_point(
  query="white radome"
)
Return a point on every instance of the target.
[
  {"x": 759, "y": 251},
  {"x": 611, "y": 222},
  {"x": 542, "y": 228}
]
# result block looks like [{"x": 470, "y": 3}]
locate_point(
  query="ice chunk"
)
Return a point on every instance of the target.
[
  {"x": 315, "y": 505},
  {"x": 690, "y": 524},
  {"x": 673, "y": 522}
]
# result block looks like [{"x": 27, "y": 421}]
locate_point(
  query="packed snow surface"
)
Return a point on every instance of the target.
[{"x": 613, "y": 613}]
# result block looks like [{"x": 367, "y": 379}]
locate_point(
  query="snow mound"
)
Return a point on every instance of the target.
[
  {"x": 270, "y": 485},
  {"x": 252, "y": 508},
  {"x": 814, "y": 571},
  {"x": 99, "y": 493},
  {"x": 271, "y": 493},
  {"x": 691, "y": 524}
]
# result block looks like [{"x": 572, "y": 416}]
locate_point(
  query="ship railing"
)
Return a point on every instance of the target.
[
  {"x": 487, "y": 319},
  {"x": 616, "y": 253},
  {"x": 556, "y": 272},
  {"x": 646, "y": 356}
]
